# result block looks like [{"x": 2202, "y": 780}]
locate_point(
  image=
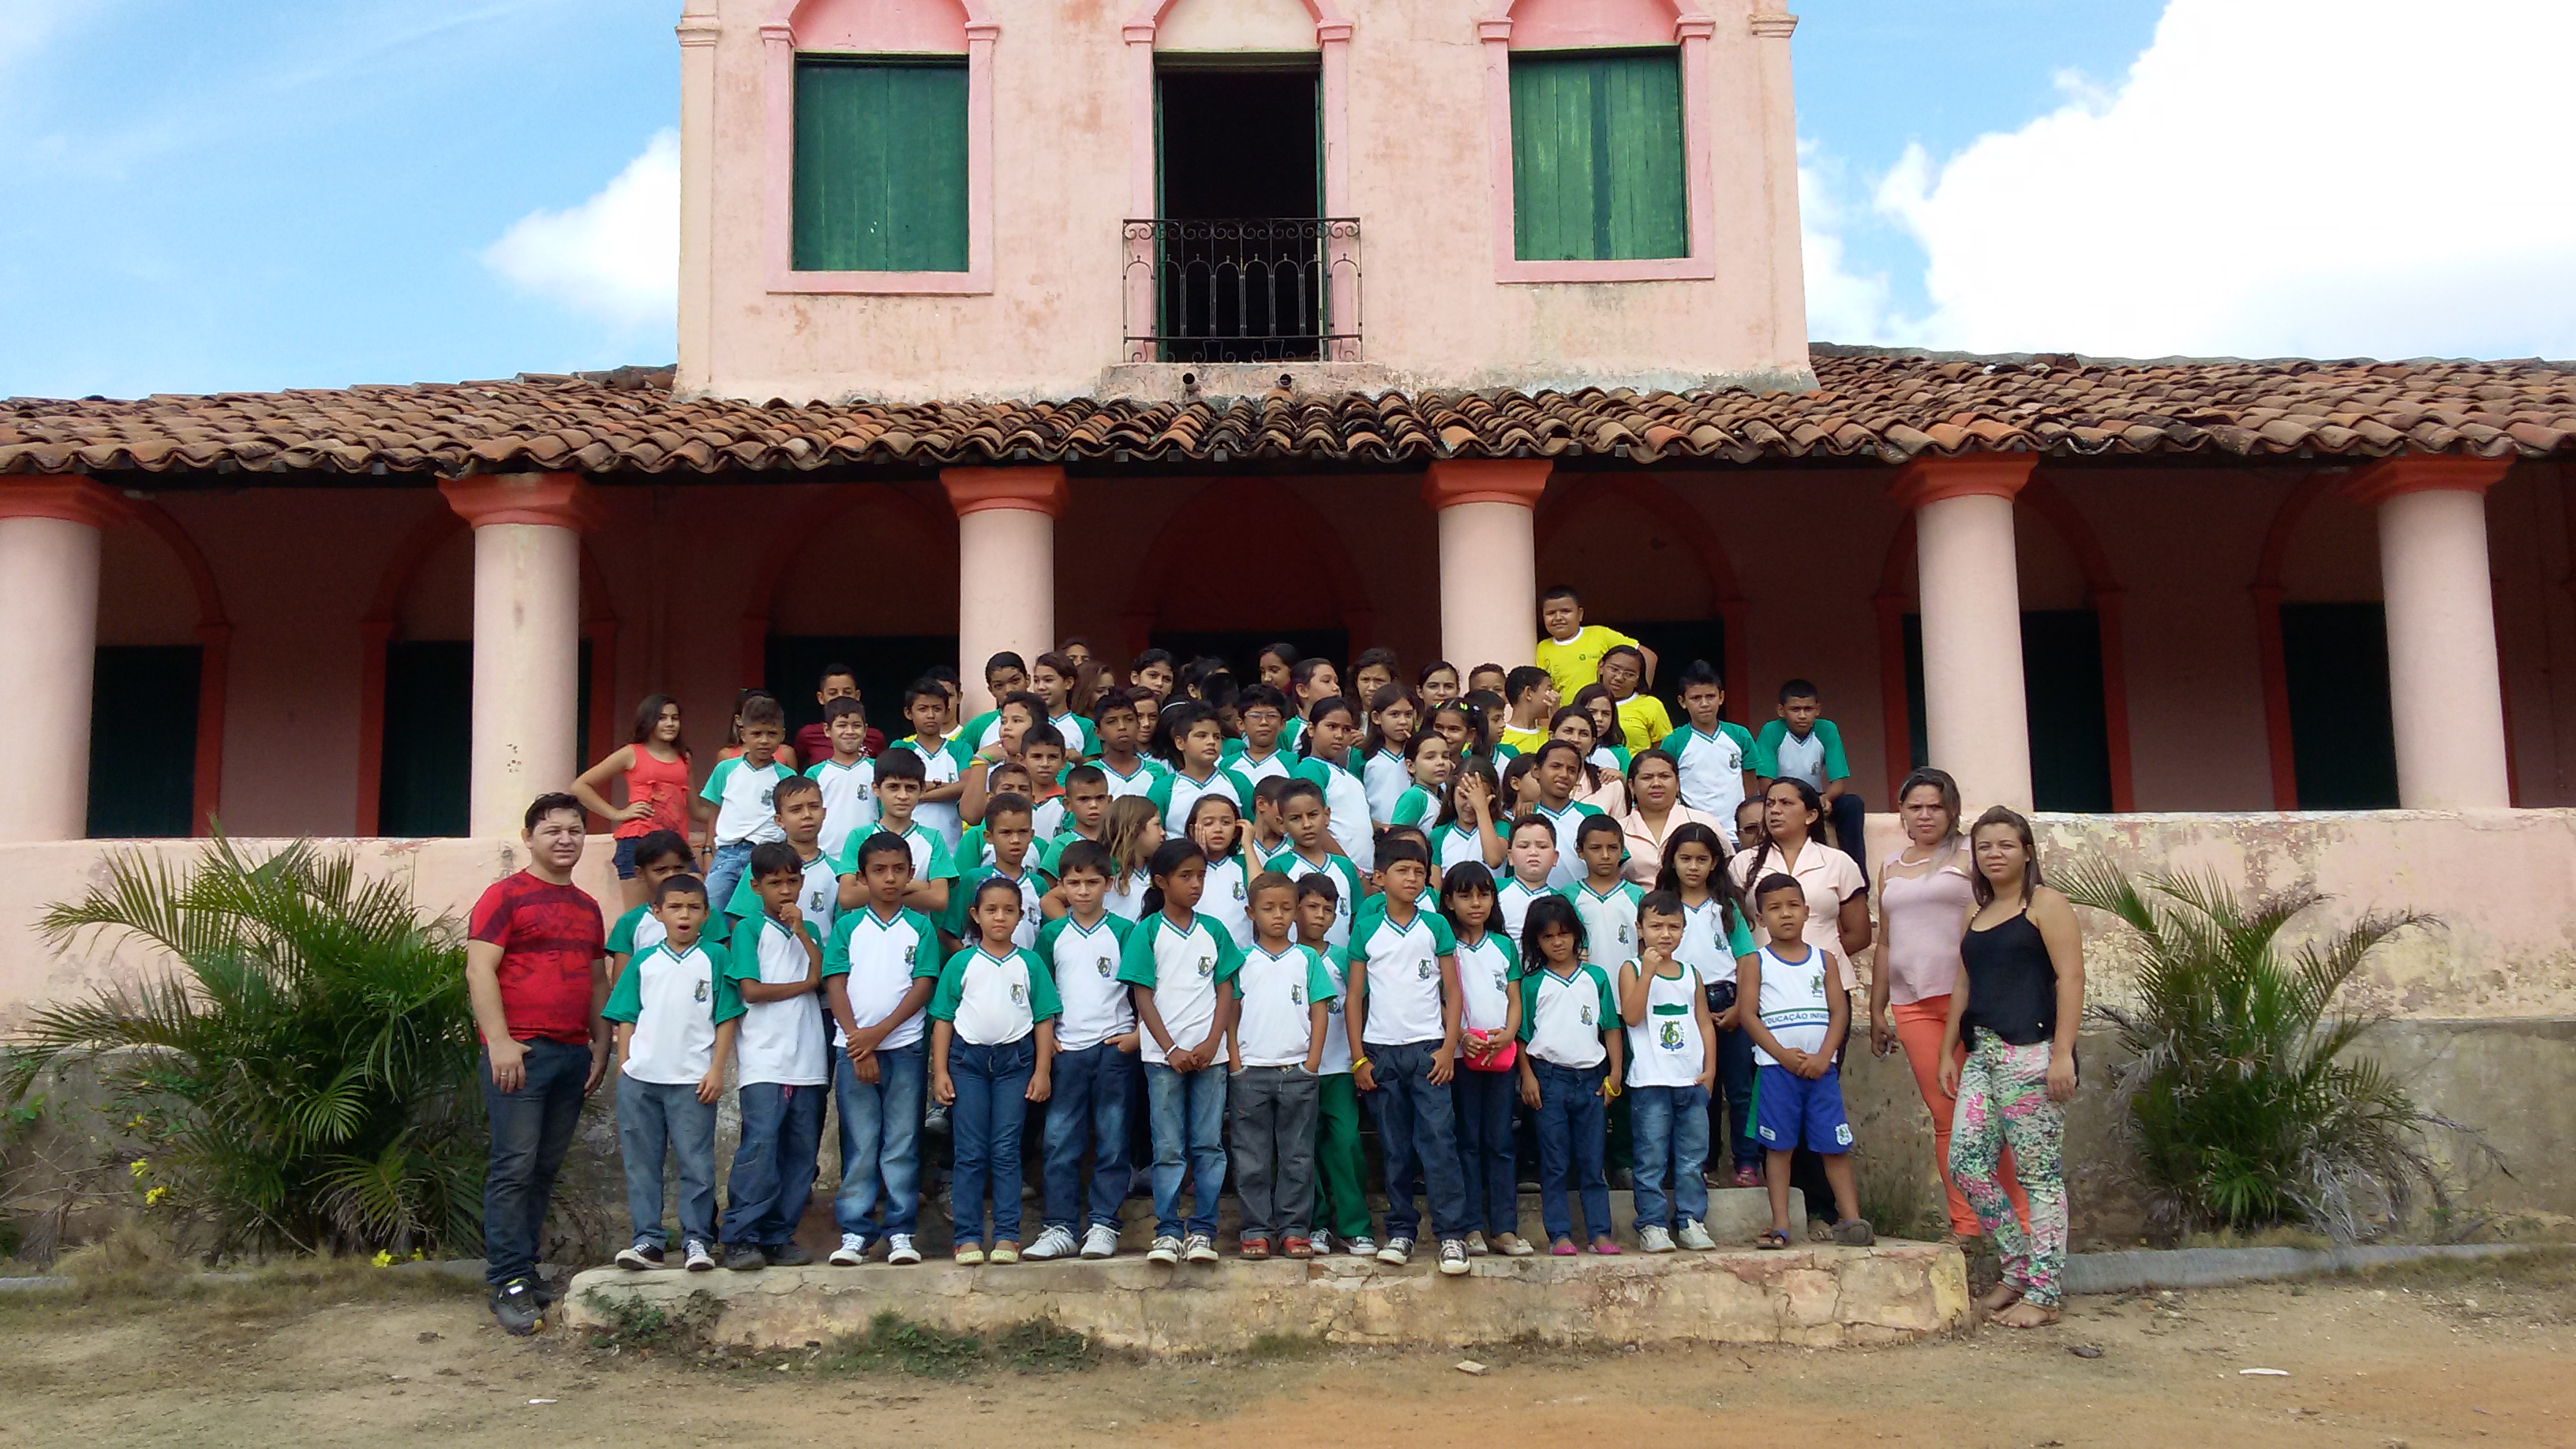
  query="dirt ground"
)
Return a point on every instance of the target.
[{"x": 2413, "y": 1359}]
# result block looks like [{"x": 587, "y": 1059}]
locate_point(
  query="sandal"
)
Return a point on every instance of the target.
[
  {"x": 1854, "y": 1233},
  {"x": 1772, "y": 1240}
]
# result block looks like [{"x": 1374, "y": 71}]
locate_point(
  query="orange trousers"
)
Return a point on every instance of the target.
[{"x": 1919, "y": 1025}]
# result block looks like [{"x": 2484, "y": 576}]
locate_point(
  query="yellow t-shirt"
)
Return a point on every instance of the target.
[
  {"x": 1643, "y": 721},
  {"x": 1577, "y": 662},
  {"x": 1520, "y": 742}
]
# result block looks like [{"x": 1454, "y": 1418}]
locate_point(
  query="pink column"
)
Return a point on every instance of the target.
[
  {"x": 2445, "y": 693},
  {"x": 527, "y": 638},
  {"x": 1974, "y": 712},
  {"x": 1005, "y": 566},
  {"x": 1488, "y": 557},
  {"x": 48, "y": 648}
]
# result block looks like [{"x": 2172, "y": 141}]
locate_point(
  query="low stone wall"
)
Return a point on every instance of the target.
[{"x": 1817, "y": 1296}]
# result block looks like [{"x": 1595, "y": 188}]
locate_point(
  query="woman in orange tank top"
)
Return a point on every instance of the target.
[{"x": 655, "y": 766}]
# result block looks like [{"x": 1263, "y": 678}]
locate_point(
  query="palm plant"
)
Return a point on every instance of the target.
[
  {"x": 305, "y": 1067},
  {"x": 2245, "y": 1106}
]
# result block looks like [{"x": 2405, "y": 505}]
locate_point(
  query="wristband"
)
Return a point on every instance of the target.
[{"x": 1359, "y": 1062}]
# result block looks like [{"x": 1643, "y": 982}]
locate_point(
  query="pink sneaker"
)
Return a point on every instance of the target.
[
  {"x": 1562, "y": 1248},
  {"x": 1605, "y": 1248}
]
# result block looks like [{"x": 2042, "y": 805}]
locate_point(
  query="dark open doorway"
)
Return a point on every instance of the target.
[{"x": 1241, "y": 271}]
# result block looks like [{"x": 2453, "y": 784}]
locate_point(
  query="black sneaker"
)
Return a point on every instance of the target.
[
  {"x": 640, "y": 1256},
  {"x": 934, "y": 1123},
  {"x": 744, "y": 1258},
  {"x": 548, "y": 1295},
  {"x": 516, "y": 1309},
  {"x": 787, "y": 1255}
]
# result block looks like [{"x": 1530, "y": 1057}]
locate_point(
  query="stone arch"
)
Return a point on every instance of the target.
[
  {"x": 1657, "y": 500},
  {"x": 214, "y": 633},
  {"x": 800, "y": 529},
  {"x": 1217, "y": 511}
]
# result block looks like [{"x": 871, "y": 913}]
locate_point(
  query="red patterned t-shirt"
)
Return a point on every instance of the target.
[{"x": 549, "y": 935}]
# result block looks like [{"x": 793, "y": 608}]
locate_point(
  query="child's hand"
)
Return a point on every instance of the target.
[
  {"x": 790, "y": 917},
  {"x": 1726, "y": 1020},
  {"x": 711, "y": 1086},
  {"x": 1608, "y": 1088},
  {"x": 1443, "y": 1066},
  {"x": 1126, "y": 1041},
  {"x": 1814, "y": 1065},
  {"x": 1364, "y": 1076},
  {"x": 1529, "y": 1091},
  {"x": 863, "y": 1065},
  {"x": 1948, "y": 1076},
  {"x": 1039, "y": 1087},
  {"x": 1183, "y": 1060},
  {"x": 942, "y": 1090}
]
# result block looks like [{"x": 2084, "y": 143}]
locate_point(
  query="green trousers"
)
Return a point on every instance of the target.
[{"x": 1341, "y": 1173}]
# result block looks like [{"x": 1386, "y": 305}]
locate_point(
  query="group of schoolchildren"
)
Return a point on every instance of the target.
[{"x": 1275, "y": 902}]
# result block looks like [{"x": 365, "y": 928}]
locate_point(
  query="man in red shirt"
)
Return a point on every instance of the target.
[{"x": 536, "y": 968}]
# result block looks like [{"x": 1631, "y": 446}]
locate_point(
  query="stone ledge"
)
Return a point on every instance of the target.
[{"x": 1817, "y": 1296}]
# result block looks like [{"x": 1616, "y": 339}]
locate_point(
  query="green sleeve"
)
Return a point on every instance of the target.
[
  {"x": 970, "y": 848},
  {"x": 952, "y": 917},
  {"x": 1136, "y": 958},
  {"x": 742, "y": 955},
  {"x": 1242, "y": 787},
  {"x": 716, "y": 779},
  {"x": 745, "y": 902},
  {"x": 1159, "y": 795},
  {"x": 1233, "y": 750},
  {"x": 959, "y": 751},
  {"x": 1353, "y": 885},
  {"x": 836, "y": 951},
  {"x": 974, "y": 730},
  {"x": 626, "y": 998},
  {"x": 716, "y": 932},
  {"x": 1529, "y": 1002},
  {"x": 943, "y": 866},
  {"x": 1504, "y": 754},
  {"x": 1443, "y": 939},
  {"x": 1410, "y": 806},
  {"x": 1609, "y": 997},
  {"x": 1511, "y": 954},
  {"x": 621, "y": 937},
  {"x": 1739, "y": 941},
  {"x": 1635, "y": 893},
  {"x": 1319, "y": 982},
  {"x": 1836, "y": 767},
  {"x": 814, "y": 771},
  {"x": 925, "y": 957},
  {"x": 1043, "y": 1002},
  {"x": 728, "y": 1002},
  {"x": 1766, "y": 750},
  {"x": 1363, "y": 930},
  {"x": 1624, "y": 755},
  {"x": 1119, "y": 926},
  {"x": 1311, "y": 768},
  {"x": 952, "y": 984},
  {"x": 1047, "y": 935},
  {"x": 1743, "y": 738},
  {"x": 1229, "y": 956}
]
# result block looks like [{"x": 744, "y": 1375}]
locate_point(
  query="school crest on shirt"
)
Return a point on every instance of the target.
[
  {"x": 1104, "y": 968},
  {"x": 1670, "y": 1037},
  {"x": 1425, "y": 970},
  {"x": 1019, "y": 992},
  {"x": 1586, "y": 1009},
  {"x": 1623, "y": 933},
  {"x": 908, "y": 952},
  {"x": 1207, "y": 966},
  {"x": 699, "y": 994},
  {"x": 1296, "y": 995},
  {"x": 1238, "y": 890}
]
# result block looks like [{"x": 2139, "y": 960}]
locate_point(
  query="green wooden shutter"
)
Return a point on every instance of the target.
[
  {"x": 880, "y": 165},
  {"x": 1597, "y": 156},
  {"x": 143, "y": 741}
]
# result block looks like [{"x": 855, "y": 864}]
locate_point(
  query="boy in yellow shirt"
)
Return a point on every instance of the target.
[{"x": 1571, "y": 652}]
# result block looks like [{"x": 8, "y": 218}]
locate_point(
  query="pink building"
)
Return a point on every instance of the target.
[{"x": 1204, "y": 322}]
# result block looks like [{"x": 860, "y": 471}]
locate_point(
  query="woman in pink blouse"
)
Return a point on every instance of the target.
[{"x": 1655, "y": 785}]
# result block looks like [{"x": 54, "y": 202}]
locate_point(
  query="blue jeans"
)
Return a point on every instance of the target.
[
  {"x": 654, "y": 1117},
  {"x": 1088, "y": 1108},
  {"x": 1730, "y": 1120},
  {"x": 880, "y": 1193},
  {"x": 1669, "y": 1126},
  {"x": 1417, "y": 1130},
  {"x": 531, "y": 1129},
  {"x": 1485, "y": 1150},
  {"x": 1850, "y": 816},
  {"x": 731, "y": 861},
  {"x": 1188, "y": 1113},
  {"x": 1572, "y": 1125},
  {"x": 984, "y": 1124},
  {"x": 773, "y": 1169}
]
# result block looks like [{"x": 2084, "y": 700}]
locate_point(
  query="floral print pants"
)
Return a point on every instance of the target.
[{"x": 2003, "y": 1101}]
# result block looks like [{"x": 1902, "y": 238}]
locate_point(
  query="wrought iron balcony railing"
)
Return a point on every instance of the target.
[{"x": 1278, "y": 289}]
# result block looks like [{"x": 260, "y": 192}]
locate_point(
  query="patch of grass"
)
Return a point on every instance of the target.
[
  {"x": 110, "y": 1284},
  {"x": 2545, "y": 1268},
  {"x": 2280, "y": 1236},
  {"x": 635, "y": 1323},
  {"x": 1285, "y": 1348},
  {"x": 896, "y": 1344}
]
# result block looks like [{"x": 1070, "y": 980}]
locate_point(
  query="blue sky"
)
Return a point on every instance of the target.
[{"x": 301, "y": 194}]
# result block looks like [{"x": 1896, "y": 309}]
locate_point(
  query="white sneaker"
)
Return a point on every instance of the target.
[
  {"x": 1695, "y": 1237},
  {"x": 1653, "y": 1239},
  {"x": 1453, "y": 1256},
  {"x": 699, "y": 1260},
  {"x": 899, "y": 1249},
  {"x": 1397, "y": 1252},
  {"x": 1166, "y": 1250},
  {"x": 1199, "y": 1248},
  {"x": 852, "y": 1252},
  {"x": 1055, "y": 1242},
  {"x": 1363, "y": 1246},
  {"x": 1322, "y": 1243},
  {"x": 1100, "y": 1242}
]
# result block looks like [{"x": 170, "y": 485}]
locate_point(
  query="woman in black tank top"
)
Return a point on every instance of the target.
[{"x": 2019, "y": 999}]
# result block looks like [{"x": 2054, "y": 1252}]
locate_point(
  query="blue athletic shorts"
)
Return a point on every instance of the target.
[{"x": 1790, "y": 1111}]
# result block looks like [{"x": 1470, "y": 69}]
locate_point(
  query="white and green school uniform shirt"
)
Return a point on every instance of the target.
[
  {"x": 1793, "y": 1007},
  {"x": 849, "y": 801},
  {"x": 881, "y": 956},
  {"x": 1711, "y": 767},
  {"x": 1704, "y": 949},
  {"x": 1569, "y": 862},
  {"x": 1277, "y": 765},
  {"x": 818, "y": 896},
  {"x": 1402, "y": 967},
  {"x": 1080, "y": 743},
  {"x": 962, "y": 896},
  {"x": 943, "y": 762},
  {"x": 1176, "y": 794},
  {"x": 1386, "y": 777},
  {"x": 1337, "y": 1031},
  {"x": 676, "y": 999},
  {"x": 779, "y": 1042},
  {"x": 640, "y": 930},
  {"x": 1182, "y": 965},
  {"x": 1139, "y": 783},
  {"x": 1511, "y": 904},
  {"x": 1277, "y": 994},
  {"x": 1487, "y": 967},
  {"x": 1562, "y": 1017},
  {"x": 1609, "y": 920},
  {"x": 1346, "y": 881},
  {"x": 993, "y": 1000},
  {"x": 1347, "y": 798},
  {"x": 980, "y": 733},
  {"x": 1666, "y": 1049},
  {"x": 931, "y": 859},
  {"x": 1084, "y": 960},
  {"x": 1227, "y": 901},
  {"x": 741, "y": 792},
  {"x": 1453, "y": 844}
]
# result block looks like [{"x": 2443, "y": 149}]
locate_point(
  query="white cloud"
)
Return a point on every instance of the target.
[
  {"x": 1842, "y": 305},
  {"x": 615, "y": 256},
  {"x": 2272, "y": 178}
]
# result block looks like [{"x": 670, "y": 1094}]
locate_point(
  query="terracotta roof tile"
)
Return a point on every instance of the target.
[{"x": 1868, "y": 404}]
